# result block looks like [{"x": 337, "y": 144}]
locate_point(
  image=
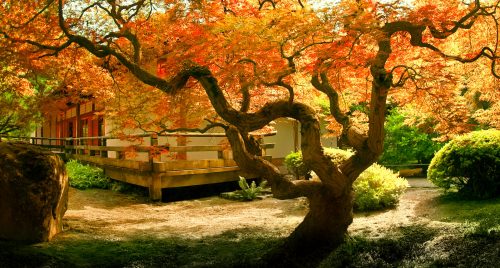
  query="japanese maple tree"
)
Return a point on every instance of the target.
[{"x": 257, "y": 61}]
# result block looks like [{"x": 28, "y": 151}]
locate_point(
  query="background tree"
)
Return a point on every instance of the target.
[
  {"x": 233, "y": 51},
  {"x": 406, "y": 143},
  {"x": 15, "y": 111},
  {"x": 18, "y": 97},
  {"x": 32, "y": 85}
]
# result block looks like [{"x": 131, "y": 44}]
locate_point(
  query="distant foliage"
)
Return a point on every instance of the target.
[
  {"x": 83, "y": 176},
  {"x": 247, "y": 192},
  {"x": 470, "y": 164},
  {"x": 406, "y": 144},
  {"x": 376, "y": 188}
]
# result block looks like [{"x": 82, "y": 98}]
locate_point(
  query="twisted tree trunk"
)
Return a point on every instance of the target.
[
  {"x": 324, "y": 228},
  {"x": 326, "y": 223}
]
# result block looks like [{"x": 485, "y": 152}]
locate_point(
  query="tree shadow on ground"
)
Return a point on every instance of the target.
[
  {"x": 234, "y": 248},
  {"x": 409, "y": 246}
]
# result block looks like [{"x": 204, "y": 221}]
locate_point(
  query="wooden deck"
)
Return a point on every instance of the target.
[{"x": 153, "y": 174}]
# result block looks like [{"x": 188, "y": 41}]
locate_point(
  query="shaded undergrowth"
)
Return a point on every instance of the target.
[
  {"x": 402, "y": 246},
  {"x": 234, "y": 248},
  {"x": 409, "y": 246},
  {"x": 419, "y": 246},
  {"x": 478, "y": 216}
]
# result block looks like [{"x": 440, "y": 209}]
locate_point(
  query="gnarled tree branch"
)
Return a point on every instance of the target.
[{"x": 282, "y": 188}]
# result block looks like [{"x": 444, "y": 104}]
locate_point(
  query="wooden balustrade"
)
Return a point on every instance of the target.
[{"x": 152, "y": 173}]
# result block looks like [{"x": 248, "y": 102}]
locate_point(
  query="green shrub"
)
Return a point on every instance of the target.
[
  {"x": 470, "y": 164},
  {"x": 376, "y": 188},
  {"x": 84, "y": 176},
  {"x": 294, "y": 164},
  {"x": 247, "y": 192}
]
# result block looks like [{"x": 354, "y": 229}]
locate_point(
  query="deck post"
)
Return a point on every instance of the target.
[
  {"x": 226, "y": 154},
  {"x": 155, "y": 186},
  {"x": 154, "y": 180},
  {"x": 103, "y": 143}
]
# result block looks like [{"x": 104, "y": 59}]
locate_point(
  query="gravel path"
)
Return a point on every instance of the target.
[{"x": 116, "y": 216}]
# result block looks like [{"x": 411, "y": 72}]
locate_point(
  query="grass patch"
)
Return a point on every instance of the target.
[
  {"x": 409, "y": 246},
  {"x": 478, "y": 216}
]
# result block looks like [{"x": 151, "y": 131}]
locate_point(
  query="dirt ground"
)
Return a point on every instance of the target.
[
  {"x": 114, "y": 216},
  {"x": 103, "y": 228}
]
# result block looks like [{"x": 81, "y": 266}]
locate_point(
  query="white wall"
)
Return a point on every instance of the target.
[
  {"x": 284, "y": 140},
  {"x": 141, "y": 156}
]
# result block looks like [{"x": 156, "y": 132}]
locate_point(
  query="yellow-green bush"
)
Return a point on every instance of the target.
[
  {"x": 376, "y": 188},
  {"x": 469, "y": 163}
]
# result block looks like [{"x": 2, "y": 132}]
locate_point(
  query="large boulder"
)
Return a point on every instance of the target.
[{"x": 33, "y": 193}]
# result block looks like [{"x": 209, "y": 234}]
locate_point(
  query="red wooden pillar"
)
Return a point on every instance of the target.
[
  {"x": 95, "y": 130},
  {"x": 79, "y": 129}
]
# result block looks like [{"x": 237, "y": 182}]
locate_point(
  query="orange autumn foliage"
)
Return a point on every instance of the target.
[{"x": 243, "y": 64}]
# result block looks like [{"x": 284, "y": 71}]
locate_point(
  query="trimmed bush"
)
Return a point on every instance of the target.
[
  {"x": 84, "y": 176},
  {"x": 376, "y": 188},
  {"x": 470, "y": 164}
]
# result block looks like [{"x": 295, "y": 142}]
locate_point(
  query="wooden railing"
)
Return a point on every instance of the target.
[
  {"x": 152, "y": 172},
  {"x": 98, "y": 145}
]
